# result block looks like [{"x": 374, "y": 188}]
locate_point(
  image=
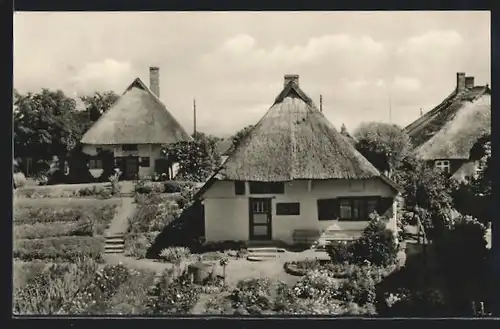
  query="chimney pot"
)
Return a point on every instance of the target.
[
  {"x": 154, "y": 80},
  {"x": 460, "y": 81},
  {"x": 292, "y": 77},
  {"x": 469, "y": 82}
]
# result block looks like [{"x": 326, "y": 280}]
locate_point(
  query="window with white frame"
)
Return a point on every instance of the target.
[{"x": 443, "y": 165}]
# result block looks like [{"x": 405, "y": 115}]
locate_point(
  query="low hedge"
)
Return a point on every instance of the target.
[
  {"x": 66, "y": 248},
  {"x": 53, "y": 229},
  {"x": 98, "y": 214},
  {"x": 146, "y": 187}
]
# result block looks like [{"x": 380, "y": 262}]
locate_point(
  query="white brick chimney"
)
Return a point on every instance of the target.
[{"x": 154, "y": 80}]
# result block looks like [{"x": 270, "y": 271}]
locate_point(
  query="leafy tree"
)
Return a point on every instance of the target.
[
  {"x": 473, "y": 197},
  {"x": 238, "y": 137},
  {"x": 44, "y": 125},
  {"x": 197, "y": 158},
  {"x": 384, "y": 145},
  {"x": 98, "y": 103},
  {"x": 427, "y": 193}
]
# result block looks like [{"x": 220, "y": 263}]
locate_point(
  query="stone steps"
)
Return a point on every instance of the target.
[
  {"x": 263, "y": 253},
  {"x": 114, "y": 244}
]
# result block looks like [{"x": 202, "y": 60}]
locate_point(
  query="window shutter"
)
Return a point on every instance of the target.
[{"x": 384, "y": 205}]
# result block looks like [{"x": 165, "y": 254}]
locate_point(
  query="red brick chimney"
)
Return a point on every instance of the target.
[
  {"x": 291, "y": 77},
  {"x": 469, "y": 82},
  {"x": 460, "y": 81},
  {"x": 154, "y": 80}
]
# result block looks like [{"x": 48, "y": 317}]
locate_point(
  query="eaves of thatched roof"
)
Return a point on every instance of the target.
[
  {"x": 295, "y": 141},
  {"x": 450, "y": 129},
  {"x": 137, "y": 117}
]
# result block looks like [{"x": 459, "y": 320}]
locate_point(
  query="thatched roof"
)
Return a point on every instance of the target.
[
  {"x": 450, "y": 129},
  {"x": 224, "y": 146},
  {"x": 137, "y": 117},
  {"x": 345, "y": 133},
  {"x": 294, "y": 140}
]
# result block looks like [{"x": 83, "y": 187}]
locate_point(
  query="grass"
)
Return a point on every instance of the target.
[
  {"x": 52, "y": 229},
  {"x": 63, "y": 202},
  {"x": 55, "y": 191}
]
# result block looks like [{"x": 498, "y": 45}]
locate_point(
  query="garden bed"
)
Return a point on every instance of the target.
[
  {"x": 66, "y": 248},
  {"x": 100, "y": 190}
]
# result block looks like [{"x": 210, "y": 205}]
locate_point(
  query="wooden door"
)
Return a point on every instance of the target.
[
  {"x": 260, "y": 218},
  {"x": 131, "y": 168}
]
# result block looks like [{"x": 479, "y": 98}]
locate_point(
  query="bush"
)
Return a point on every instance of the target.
[
  {"x": 153, "y": 214},
  {"x": 174, "y": 254},
  {"x": 61, "y": 248},
  {"x": 377, "y": 244},
  {"x": 360, "y": 288},
  {"x": 219, "y": 304},
  {"x": 138, "y": 244},
  {"x": 252, "y": 295},
  {"x": 19, "y": 180},
  {"x": 316, "y": 284},
  {"x": 341, "y": 251},
  {"x": 172, "y": 296},
  {"x": 56, "y": 285},
  {"x": 93, "y": 298},
  {"x": 54, "y": 229},
  {"x": 142, "y": 187},
  {"x": 131, "y": 296},
  {"x": 101, "y": 192}
]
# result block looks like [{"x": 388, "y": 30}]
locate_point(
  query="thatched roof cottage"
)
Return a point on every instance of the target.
[
  {"x": 294, "y": 177},
  {"x": 445, "y": 135},
  {"x": 134, "y": 128}
]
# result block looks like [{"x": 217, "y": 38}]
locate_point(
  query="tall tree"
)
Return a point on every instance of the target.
[
  {"x": 44, "y": 124},
  {"x": 98, "y": 103},
  {"x": 384, "y": 145}
]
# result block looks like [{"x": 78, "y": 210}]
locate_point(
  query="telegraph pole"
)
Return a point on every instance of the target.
[{"x": 194, "y": 116}]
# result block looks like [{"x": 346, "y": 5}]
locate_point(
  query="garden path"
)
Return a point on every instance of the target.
[
  {"x": 138, "y": 264},
  {"x": 119, "y": 224}
]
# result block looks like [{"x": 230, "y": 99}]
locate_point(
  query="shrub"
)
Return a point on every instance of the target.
[
  {"x": 142, "y": 187},
  {"x": 219, "y": 304},
  {"x": 253, "y": 295},
  {"x": 93, "y": 297},
  {"x": 131, "y": 296},
  {"x": 138, "y": 244},
  {"x": 316, "y": 284},
  {"x": 153, "y": 214},
  {"x": 300, "y": 268},
  {"x": 114, "y": 182},
  {"x": 174, "y": 254},
  {"x": 56, "y": 285},
  {"x": 101, "y": 192},
  {"x": 377, "y": 244},
  {"x": 62, "y": 248},
  {"x": 172, "y": 296},
  {"x": 341, "y": 251},
  {"x": 19, "y": 180},
  {"x": 360, "y": 288}
]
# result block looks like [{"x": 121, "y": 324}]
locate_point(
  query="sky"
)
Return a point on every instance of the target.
[{"x": 368, "y": 66}]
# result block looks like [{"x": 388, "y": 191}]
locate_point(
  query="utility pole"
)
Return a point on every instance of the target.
[
  {"x": 321, "y": 103},
  {"x": 194, "y": 116},
  {"x": 390, "y": 107}
]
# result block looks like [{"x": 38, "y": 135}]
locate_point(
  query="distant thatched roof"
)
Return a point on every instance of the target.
[
  {"x": 295, "y": 141},
  {"x": 450, "y": 129},
  {"x": 137, "y": 117}
]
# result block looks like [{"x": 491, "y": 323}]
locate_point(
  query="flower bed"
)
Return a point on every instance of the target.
[
  {"x": 59, "y": 248},
  {"x": 98, "y": 214},
  {"x": 53, "y": 229}
]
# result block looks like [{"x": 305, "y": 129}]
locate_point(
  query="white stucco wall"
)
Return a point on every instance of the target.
[
  {"x": 143, "y": 150},
  {"x": 227, "y": 215}
]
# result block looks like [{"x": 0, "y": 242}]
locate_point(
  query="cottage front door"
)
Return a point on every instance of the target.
[
  {"x": 260, "y": 218},
  {"x": 131, "y": 168}
]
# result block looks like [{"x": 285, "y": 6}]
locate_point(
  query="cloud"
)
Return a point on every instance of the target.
[
  {"x": 432, "y": 41},
  {"x": 243, "y": 49},
  {"x": 108, "y": 74}
]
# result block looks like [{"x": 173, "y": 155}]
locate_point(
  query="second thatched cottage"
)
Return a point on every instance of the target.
[
  {"x": 134, "y": 129},
  {"x": 294, "y": 178},
  {"x": 445, "y": 135}
]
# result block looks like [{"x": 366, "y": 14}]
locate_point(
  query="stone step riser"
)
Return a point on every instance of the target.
[{"x": 114, "y": 241}]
